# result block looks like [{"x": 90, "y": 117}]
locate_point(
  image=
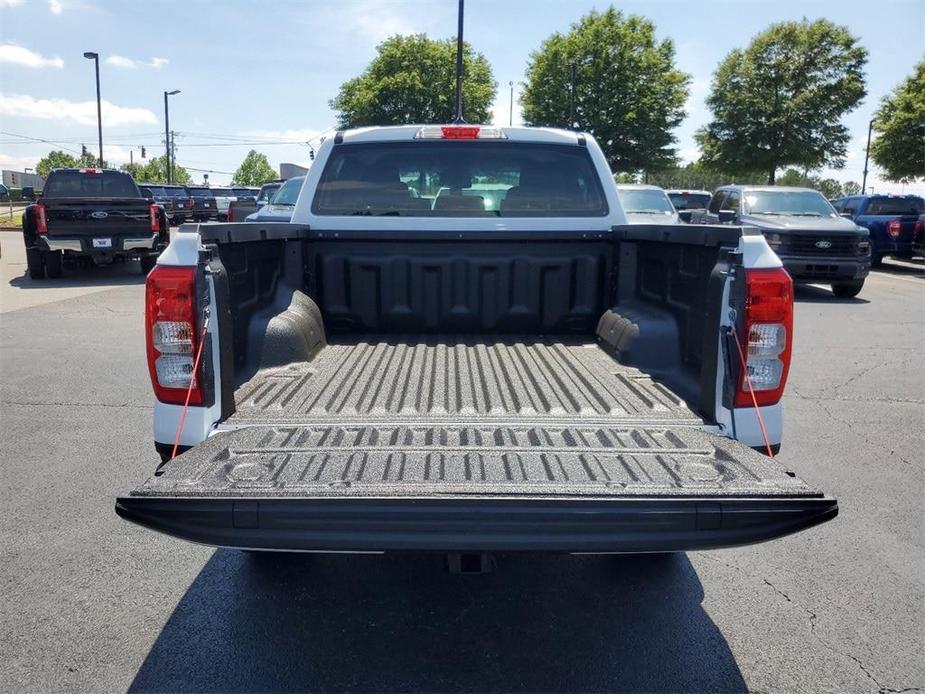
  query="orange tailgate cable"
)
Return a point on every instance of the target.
[
  {"x": 189, "y": 390},
  {"x": 751, "y": 391}
]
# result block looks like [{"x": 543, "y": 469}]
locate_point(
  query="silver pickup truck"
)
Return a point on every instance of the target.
[{"x": 459, "y": 344}]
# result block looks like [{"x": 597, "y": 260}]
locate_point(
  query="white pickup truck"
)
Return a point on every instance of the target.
[{"x": 458, "y": 344}]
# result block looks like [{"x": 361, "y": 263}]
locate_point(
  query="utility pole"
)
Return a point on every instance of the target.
[
  {"x": 167, "y": 146},
  {"x": 571, "y": 109},
  {"x": 870, "y": 127},
  {"x": 131, "y": 158},
  {"x": 95, "y": 57}
]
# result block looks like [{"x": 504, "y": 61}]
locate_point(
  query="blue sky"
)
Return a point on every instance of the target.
[{"x": 264, "y": 72}]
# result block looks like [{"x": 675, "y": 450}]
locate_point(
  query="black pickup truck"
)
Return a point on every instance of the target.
[{"x": 91, "y": 215}]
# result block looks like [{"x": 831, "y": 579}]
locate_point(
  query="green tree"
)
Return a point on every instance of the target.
[
  {"x": 829, "y": 187},
  {"x": 899, "y": 149},
  {"x": 55, "y": 159},
  {"x": 780, "y": 101},
  {"x": 155, "y": 171},
  {"x": 88, "y": 160},
  {"x": 255, "y": 170},
  {"x": 627, "y": 91},
  {"x": 134, "y": 169},
  {"x": 851, "y": 188},
  {"x": 413, "y": 80},
  {"x": 697, "y": 176}
]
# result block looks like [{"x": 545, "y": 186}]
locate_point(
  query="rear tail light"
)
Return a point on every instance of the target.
[
  {"x": 171, "y": 332},
  {"x": 768, "y": 336},
  {"x": 894, "y": 228},
  {"x": 155, "y": 221},
  {"x": 41, "y": 219},
  {"x": 919, "y": 230},
  {"x": 189, "y": 203}
]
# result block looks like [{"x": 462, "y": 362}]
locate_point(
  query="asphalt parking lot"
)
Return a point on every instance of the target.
[{"x": 91, "y": 603}]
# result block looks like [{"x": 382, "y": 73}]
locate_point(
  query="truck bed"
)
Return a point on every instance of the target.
[{"x": 400, "y": 416}]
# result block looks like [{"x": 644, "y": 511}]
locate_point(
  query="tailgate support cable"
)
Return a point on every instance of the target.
[
  {"x": 192, "y": 382},
  {"x": 751, "y": 391}
]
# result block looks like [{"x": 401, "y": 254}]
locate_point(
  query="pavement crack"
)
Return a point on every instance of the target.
[{"x": 813, "y": 619}]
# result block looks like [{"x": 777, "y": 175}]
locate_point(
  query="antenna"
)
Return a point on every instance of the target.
[{"x": 459, "y": 67}]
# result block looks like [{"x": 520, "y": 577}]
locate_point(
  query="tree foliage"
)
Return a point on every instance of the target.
[
  {"x": 255, "y": 170},
  {"x": 627, "y": 91},
  {"x": 55, "y": 159},
  {"x": 829, "y": 187},
  {"x": 697, "y": 176},
  {"x": 780, "y": 101},
  {"x": 413, "y": 80},
  {"x": 155, "y": 171},
  {"x": 899, "y": 149}
]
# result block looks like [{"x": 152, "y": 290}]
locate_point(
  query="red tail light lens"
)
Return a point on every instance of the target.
[
  {"x": 189, "y": 203},
  {"x": 919, "y": 229},
  {"x": 894, "y": 228},
  {"x": 768, "y": 336},
  {"x": 460, "y": 132},
  {"x": 155, "y": 221},
  {"x": 171, "y": 333},
  {"x": 41, "y": 219}
]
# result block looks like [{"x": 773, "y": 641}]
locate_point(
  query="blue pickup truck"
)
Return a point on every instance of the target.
[{"x": 891, "y": 220}]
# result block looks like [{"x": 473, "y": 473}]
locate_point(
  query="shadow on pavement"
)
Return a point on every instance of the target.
[
  {"x": 809, "y": 294},
  {"x": 400, "y": 622},
  {"x": 116, "y": 275},
  {"x": 903, "y": 268}
]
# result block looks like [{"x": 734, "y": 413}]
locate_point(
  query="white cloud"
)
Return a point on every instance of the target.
[
  {"x": 17, "y": 163},
  {"x": 83, "y": 112},
  {"x": 10, "y": 3},
  {"x": 17, "y": 55},
  {"x": 55, "y": 6},
  {"x": 130, "y": 63}
]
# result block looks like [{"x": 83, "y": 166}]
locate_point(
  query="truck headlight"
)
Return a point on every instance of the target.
[
  {"x": 864, "y": 246},
  {"x": 773, "y": 241}
]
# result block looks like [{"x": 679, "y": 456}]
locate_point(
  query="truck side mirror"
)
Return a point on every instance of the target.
[
  {"x": 847, "y": 215},
  {"x": 726, "y": 216}
]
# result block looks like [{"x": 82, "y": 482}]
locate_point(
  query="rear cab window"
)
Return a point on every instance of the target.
[
  {"x": 90, "y": 184},
  {"x": 459, "y": 179},
  {"x": 895, "y": 206},
  {"x": 689, "y": 201},
  {"x": 199, "y": 192}
]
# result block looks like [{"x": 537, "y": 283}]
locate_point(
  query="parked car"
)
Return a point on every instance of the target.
[
  {"x": 223, "y": 198},
  {"x": 283, "y": 203},
  {"x": 266, "y": 193},
  {"x": 644, "y": 204},
  {"x": 918, "y": 243},
  {"x": 243, "y": 208},
  {"x": 160, "y": 196},
  {"x": 182, "y": 205},
  {"x": 202, "y": 203},
  {"x": 686, "y": 201},
  {"x": 891, "y": 220},
  {"x": 801, "y": 226},
  {"x": 94, "y": 215},
  {"x": 241, "y": 193},
  {"x": 540, "y": 376}
]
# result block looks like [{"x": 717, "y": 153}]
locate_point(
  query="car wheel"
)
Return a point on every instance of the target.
[
  {"x": 36, "y": 263},
  {"x": 876, "y": 260},
  {"x": 53, "y": 264},
  {"x": 147, "y": 264},
  {"x": 847, "y": 290}
]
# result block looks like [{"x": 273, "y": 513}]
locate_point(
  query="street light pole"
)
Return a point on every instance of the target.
[
  {"x": 95, "y": 57},
  {"x": 511, "y": 118},
  {"x": 168, "y": 163},
  {"x": 870, "y": 127}
]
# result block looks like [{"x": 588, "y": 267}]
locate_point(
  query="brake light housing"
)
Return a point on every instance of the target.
[
  {"x": 41, "y": 219},
  {"x": 155, "y": 218},
  {"x": 894, "y": 228},
  {"x": 460, "y": 132},
  {"x": 172, "y": 334},
  {"x": 768, "y": 331}
]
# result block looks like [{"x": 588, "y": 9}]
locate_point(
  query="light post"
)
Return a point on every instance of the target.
[
  {"x": 95, "y": 57},
  {"x": 870, "y": 127},
  {"x": 168, "y": 163},
  {"x": 510, "y": 120}
]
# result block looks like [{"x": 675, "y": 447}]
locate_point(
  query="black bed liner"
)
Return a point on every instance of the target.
[{"x": 458, "y": 444}]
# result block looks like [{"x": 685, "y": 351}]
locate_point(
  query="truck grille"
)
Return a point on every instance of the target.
[{"x": 820, "y": 245}]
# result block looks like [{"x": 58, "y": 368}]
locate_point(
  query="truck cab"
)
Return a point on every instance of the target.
[{"x": 458, "y": 344}]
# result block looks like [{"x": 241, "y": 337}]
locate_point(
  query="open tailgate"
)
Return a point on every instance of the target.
[{"x": 457, "y": 486}]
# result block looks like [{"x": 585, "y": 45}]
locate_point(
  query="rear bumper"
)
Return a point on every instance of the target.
[
  {"x": 822, "y": 269},
  {"x": 477, "y": 524},
  {"x": 119, "y": 244}
]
